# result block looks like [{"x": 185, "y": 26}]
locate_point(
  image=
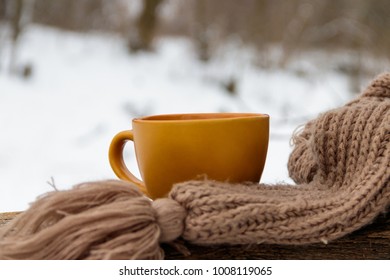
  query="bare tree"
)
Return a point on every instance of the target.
[
  {"x": 146, "y": 27},
  {"x": 16, "y": 28},
  {"x": 201, "y": 31},
  {"x": 2, "y": 9}
]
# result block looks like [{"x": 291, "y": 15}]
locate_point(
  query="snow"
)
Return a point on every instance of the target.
[{"x": 86, "y": 87}]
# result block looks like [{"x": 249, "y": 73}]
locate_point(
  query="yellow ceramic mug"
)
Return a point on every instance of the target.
[{"x": 169, "y": 149}]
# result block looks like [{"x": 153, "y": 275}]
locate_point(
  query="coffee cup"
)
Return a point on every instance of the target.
[{"x": 229, "y": 147}]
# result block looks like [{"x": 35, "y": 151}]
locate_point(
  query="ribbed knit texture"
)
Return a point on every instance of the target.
[{"x": 340, "y": 162}]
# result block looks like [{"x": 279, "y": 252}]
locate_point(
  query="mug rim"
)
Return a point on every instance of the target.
[{"x": 196, "y": 117}]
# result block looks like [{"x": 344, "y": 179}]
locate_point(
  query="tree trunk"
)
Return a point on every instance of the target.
[
  {"x": 146, "y": 27},
  {"x": 16, "y": 29}
]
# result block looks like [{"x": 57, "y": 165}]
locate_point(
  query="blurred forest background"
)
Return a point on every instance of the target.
[{"x": 278, "y": 31}]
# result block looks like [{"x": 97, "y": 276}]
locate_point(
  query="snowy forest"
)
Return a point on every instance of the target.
[
  {"x": 75, "y": 72},
  {"x": 358, "y": 27}
]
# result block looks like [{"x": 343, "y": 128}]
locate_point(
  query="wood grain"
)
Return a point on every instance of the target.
[
  {"x": 7, "y": 217},
  {"x": 370, "y": 242}
]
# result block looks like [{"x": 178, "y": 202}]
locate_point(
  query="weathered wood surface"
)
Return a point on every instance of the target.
[
  {"x": 6, "y": 217},
  {"x": 370, "y": 242}
]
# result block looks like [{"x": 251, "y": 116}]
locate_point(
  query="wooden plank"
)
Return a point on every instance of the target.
[
  {"x": 6, "y": 217},
  {"x": 370, "y": 242}
]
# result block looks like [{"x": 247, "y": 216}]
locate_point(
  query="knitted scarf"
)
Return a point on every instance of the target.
[{"x": 340, "y": 162}]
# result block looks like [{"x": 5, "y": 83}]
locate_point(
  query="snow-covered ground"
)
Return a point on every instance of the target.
[{"x": 86, "y": 87}]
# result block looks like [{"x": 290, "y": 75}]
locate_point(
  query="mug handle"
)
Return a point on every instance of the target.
[{"x": 117, "y": 162}]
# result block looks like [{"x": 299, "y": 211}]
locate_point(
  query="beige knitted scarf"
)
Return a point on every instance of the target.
[{"x": 340, "y": 163}]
